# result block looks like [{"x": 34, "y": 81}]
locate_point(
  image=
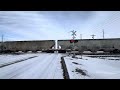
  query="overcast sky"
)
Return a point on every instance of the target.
[{"x": 54, "y": 25}]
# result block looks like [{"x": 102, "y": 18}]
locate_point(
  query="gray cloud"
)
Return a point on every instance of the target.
[{"x": 26, "y": 25}]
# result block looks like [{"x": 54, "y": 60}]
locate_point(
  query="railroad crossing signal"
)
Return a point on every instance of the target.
[
  {"x": 73, "y": 34},
  {"x": 73, "y": 41}
]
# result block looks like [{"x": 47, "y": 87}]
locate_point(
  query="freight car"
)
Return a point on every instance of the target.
[
  {"x": 111, "y": 45},
  {"x": 25, "y": 46}
]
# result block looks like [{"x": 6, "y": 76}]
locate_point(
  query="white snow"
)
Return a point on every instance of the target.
[
  {"x": 110, "y": 58},
  {"x": 100, "y": 52},
  {"x": 45, "y": 66},
  {"x": 48, "y": 66},
  {"x": 87, "y": 52},
  {"x": 6, "y": 58},
  {"x": 95, "y": 68}
]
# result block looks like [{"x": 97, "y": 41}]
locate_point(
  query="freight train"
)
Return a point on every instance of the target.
[{"x": 111, "y": 45}]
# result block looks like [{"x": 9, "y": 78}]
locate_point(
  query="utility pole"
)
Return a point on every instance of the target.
[
  {"x": 73, "y": 37},
  {"x": 81, "y": 39},
  {"x": 93, "y": 36},
  {"x": 103, "y": 33},
  {"x": 80, "y": 36},
  {"x": 2, "y": 38},
  {"x": 2, "y": 46}
]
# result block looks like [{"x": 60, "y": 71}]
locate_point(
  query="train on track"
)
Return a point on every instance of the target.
[{"x": 110, "y": 45}]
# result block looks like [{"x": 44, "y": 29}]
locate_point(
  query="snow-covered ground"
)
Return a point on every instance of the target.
[
  {"x": 48, "y": 66},
  {"x": 93, "y": 68},
  {"x": 109, "y": 58},
  {"x": 6, "y": 58},
  {"x": 105, "y": 57},
  {"x": 45, "y": 66}
]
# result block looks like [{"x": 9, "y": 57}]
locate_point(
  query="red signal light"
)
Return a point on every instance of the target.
[
  {"x": 75, "y": 41},
  {"x": 71, "y": 41}
]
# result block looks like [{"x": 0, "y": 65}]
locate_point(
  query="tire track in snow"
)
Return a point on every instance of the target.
[
  {"x": 32, "y": 72},
  {"x": 26, "y": 69},
  {"x": 18, "y": 68},
  {"x": 45, "y": 67},
  {"x": 50, "y": 69},
  {"x": 14, "y": 62}
]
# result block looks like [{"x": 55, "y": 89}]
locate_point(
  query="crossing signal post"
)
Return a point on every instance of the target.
[{"x": 73, "y": 41}]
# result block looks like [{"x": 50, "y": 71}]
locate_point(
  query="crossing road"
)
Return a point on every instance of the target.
[{"x": 45, "y": 66}]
